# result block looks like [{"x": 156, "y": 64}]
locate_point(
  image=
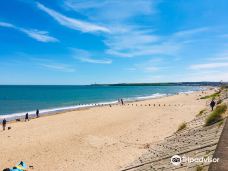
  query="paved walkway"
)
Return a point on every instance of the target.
[
  {"x": 221, "y": 152},
  {"x": 195, "y": 140}
]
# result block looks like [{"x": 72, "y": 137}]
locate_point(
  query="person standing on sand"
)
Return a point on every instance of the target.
[
  {"x": 212, "y": 104},
  {"x": 37, "y": 113},
  {"x": 26, "y": 117},
  {"x": 4, "y": 124},
  {"x": 122, "y": 101}
]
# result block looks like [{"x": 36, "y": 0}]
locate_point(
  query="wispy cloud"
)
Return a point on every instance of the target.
[
  {"x": 130, "y": 38},
  {"x": 95, "y": 61},
  {"x": 209, "y": 65},
  {"x": 140, "y": 42},
  {"x": 151, "y": 69},
  {"x": 112, "y": 10},
  {"x": 72, "y": 23},
  {"x": 169, "y": 48},
  {"x": 191, "y": 32},
  {"x": 130, "y": 42},
  {"x": 3, "y": 24},
  {"x": 85, "y": 56},
  {"x": 21, "y": 59},
  {"x": 53, "y": 65},
  {"x": 133, "y": 42},
  {"x": 58, "y": 67},
  {"x": 218, "y": 61},
  {"x": 41, "y": 36}
]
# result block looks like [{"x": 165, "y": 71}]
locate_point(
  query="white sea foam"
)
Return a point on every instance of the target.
[
  {"x": 52, "y": 111},
  {"x": 69, "y": 108}
]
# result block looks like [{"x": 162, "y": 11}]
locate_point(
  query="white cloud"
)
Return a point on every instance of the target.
[
  {"x": 3, "y": 24},
  {"x": 41, "y": 36},
  {"x": 111, "y": 10},
  {"x": 136, "y": 41},
  {"x": 58, "y": 67},
  {"x": 130, "y": 38},
  {"x": 151, "y": 69},
  {"x": 132, "y": 41},
  {"x": 96, "y": 61},
  {"x": 146, "y": 50},
  {"x": 50, "y": 64},
  {"x": 85, "y": 56},
  {"x": 71, "y": 22},
  {"x": 224, "y": 58},
  {"x": 22, "y": 59},
  {"x": 190, "y": 32},
  {"x": 209, "y": 65}
]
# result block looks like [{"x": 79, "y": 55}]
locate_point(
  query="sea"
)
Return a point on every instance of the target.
[{"x": 15, "y": 101}]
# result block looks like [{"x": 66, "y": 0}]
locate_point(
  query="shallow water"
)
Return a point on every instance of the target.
[{"x": 17, "y": 99}]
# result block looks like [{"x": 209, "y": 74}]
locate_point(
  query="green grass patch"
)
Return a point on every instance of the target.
[
  {"x": 201, "y": 112},
  {"x": 182, "y": 126},
  {"x": 225, "y": 86},
  {"x": 219, "y": 101},
  {"x": 199, "y": 168},
  {"x": 207, "y": 152},
  {"x": 220, "y": 123},
  {"x": 216, "y": 115},
  {"x": 212, "y": 96}
]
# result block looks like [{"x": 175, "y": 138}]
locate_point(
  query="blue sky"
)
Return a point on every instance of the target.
[{"x": 113, "y": 41}]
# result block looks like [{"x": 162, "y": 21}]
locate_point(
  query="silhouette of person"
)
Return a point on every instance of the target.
[
  {"x": 212, "y": 104},
  {"x": 4, "y": 124},
  {"x": 122, "y": 101},
  {"x": 26, "y": 117},
  {"x": 37, "y": 113}
]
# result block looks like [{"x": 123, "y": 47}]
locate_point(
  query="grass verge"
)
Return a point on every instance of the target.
[
  {"x": 201, "y": 112},
  {"x": 216, "y": 115},
  {"x": 211, "y": 96},
  {"x": 199, "y": 168},
  {"x": 182, "y": 126}
]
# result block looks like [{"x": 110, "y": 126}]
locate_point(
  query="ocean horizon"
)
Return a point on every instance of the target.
[{"x": 16, "y": 100}]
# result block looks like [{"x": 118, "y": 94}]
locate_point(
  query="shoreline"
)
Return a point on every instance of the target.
[
  {"x": 53, "y": 111},
  {"x": 102, "y": 138}
]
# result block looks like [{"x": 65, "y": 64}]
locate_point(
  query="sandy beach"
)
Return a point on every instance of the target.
[{"x": 96, "y": 139}]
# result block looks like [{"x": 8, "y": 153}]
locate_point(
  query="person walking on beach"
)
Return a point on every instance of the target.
[
  {"x": 37, "y": 113},
  {"x": 4, "y": 124},
  {"x": 26, "y": 117},
  {"x": 212, "y": 104},
  {"x": 122, "y": 101}
]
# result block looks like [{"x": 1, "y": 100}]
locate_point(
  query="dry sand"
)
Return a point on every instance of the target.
[{"x": 96, "y": 139}]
